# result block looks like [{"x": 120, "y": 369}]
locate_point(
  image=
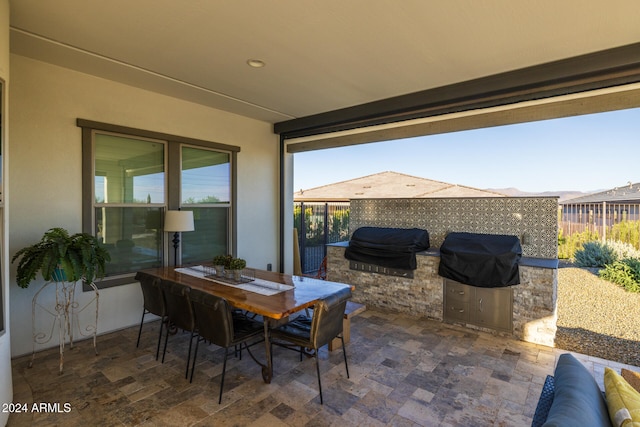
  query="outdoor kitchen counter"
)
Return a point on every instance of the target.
[
  {"x": 534, "y": 314},
  {"x": 524, "y": 261}
]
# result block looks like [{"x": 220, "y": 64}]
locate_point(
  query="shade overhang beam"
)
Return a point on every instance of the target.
[{"x": 609, "y": 68}]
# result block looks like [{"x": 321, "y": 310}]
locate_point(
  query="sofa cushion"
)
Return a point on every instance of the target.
[
  {"x": 577, "y": 400},
  {"x": 623, "y": 400}
]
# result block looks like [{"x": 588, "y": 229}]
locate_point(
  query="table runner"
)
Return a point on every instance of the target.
[{"x": 259, "y": 286}]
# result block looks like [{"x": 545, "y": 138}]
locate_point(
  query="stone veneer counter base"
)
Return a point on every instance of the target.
[{"x": 534, "y": 308}]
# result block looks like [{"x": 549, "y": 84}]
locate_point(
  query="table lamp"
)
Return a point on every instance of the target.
[{"x": 177, "y": 222}]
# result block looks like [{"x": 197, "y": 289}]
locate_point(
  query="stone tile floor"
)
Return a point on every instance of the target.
[{"x": 403, "y": 372}]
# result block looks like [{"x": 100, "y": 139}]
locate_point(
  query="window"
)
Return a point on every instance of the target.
[
  {"x": 206, "y": 190},
  {"x": 132, "y": 177},
  {"x": 129, "y": 191}
]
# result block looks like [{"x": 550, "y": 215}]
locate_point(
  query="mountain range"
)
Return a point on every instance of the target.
[{"x": 561, "y": 194}]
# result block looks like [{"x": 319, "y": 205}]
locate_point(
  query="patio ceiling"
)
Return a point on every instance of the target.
[{"x": 320, "y": 56}]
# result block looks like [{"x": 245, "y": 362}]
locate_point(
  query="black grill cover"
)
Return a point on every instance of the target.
[
  {"x": 484, "y": 260},
  {"x": 387, "y": 247}
]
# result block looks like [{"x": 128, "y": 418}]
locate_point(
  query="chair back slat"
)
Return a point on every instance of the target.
[
  {"x": 327, "y": 322},
  {"x": 152, "y": 294},
  {"x": 178, "y": 301},
  {"x": 327, "y": 318},
  {"x": 214, "y": 318}
]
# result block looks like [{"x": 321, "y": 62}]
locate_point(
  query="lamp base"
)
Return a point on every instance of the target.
[{"x": 176, "y": 243}]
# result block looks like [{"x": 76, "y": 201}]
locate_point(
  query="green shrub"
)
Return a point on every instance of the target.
[
  {"x": 568, "y": 245},
  {"x": 634, "y": 265},
  {"x": 623, "y": 250},
  {"x": 339, "y": 226},
  {"x": 625, "y": 273},
  {"x": 594, "y": 254},
  {"x": 626, "y": 231}
]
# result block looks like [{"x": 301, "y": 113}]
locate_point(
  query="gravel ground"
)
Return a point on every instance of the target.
[{"x": 596, "y": 317}]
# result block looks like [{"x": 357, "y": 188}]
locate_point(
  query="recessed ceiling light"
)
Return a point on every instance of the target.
[{"x": 255, "y": 63}]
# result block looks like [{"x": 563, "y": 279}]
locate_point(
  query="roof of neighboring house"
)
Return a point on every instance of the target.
[
  {"x": 629, "y": 193},
  {"x": 389, "y": 185}
]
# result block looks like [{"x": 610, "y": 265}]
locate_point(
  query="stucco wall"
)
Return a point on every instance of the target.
[{"x": 46, "y": 170}]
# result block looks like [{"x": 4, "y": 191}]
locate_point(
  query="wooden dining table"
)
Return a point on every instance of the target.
[{"x": 304, "y": 292}]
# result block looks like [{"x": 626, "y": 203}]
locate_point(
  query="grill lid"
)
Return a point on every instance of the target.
[
  {"x": 387, "y": 247},
  {"x": 484, "y": 260}
]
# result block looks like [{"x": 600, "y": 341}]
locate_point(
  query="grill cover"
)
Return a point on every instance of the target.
[
  {"x": 387, "y": 247},
  {"x": 484, "y": 260}
]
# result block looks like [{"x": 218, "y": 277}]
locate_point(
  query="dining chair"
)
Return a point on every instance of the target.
[
  {"x": 217, "y": 323},
  {"x": 326, "y": 324},
  {"x": 320, "y": 274},
  {"x": 153, "y": 304},
  {"x": 179, "y": 313}
]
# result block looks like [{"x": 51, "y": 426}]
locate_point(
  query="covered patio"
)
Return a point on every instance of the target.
[
  {"x": 404, "y": 372},
  {"x": 255, "y": 83}
]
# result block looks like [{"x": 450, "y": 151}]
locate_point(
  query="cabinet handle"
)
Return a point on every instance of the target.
[
  {"x": 461, "y": 293},
  {"x": 459, "y": 311},
  {"x": 480, "y": 304}
]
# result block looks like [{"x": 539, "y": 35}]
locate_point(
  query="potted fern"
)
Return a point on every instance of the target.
[
  {"x": 63, "y": 260},
  {"x": 61, "y": 257}
]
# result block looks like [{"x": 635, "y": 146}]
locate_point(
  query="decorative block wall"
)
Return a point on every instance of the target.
[{"x": 535, "y": 217}]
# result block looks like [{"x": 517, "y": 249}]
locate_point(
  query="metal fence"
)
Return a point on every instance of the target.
[
  {"x": 610, "y": 221},
  {"x": 328, "y": 222},
  {"x": 319, "y": 224}
]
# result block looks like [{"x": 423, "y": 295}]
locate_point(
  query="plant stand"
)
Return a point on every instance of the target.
[{"x": 65, "y": 314}]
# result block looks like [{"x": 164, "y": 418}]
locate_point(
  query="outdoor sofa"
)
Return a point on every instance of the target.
[{"x": 571, "y": 397}]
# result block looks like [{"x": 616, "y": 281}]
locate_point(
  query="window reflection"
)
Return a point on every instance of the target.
[
  {"x": 205, "y": 176},
  {"x": 128, "y": 170},
  {"x": 133, "y": 237},
  {"x": 210, "y": 238},
  {"x": 206, "y": 190}
]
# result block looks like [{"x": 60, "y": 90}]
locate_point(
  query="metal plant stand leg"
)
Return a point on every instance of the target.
[
  {"x": 65, "y": 314},
  {"x": 92, "y": 328},
  {"x": 41, "y": 337}
]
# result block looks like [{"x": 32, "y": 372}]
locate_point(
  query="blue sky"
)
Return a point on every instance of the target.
[{"x": 584, "y": 153}]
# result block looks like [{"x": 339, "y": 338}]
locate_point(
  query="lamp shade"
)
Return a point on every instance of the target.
[{"x": 178, "y": 221}]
